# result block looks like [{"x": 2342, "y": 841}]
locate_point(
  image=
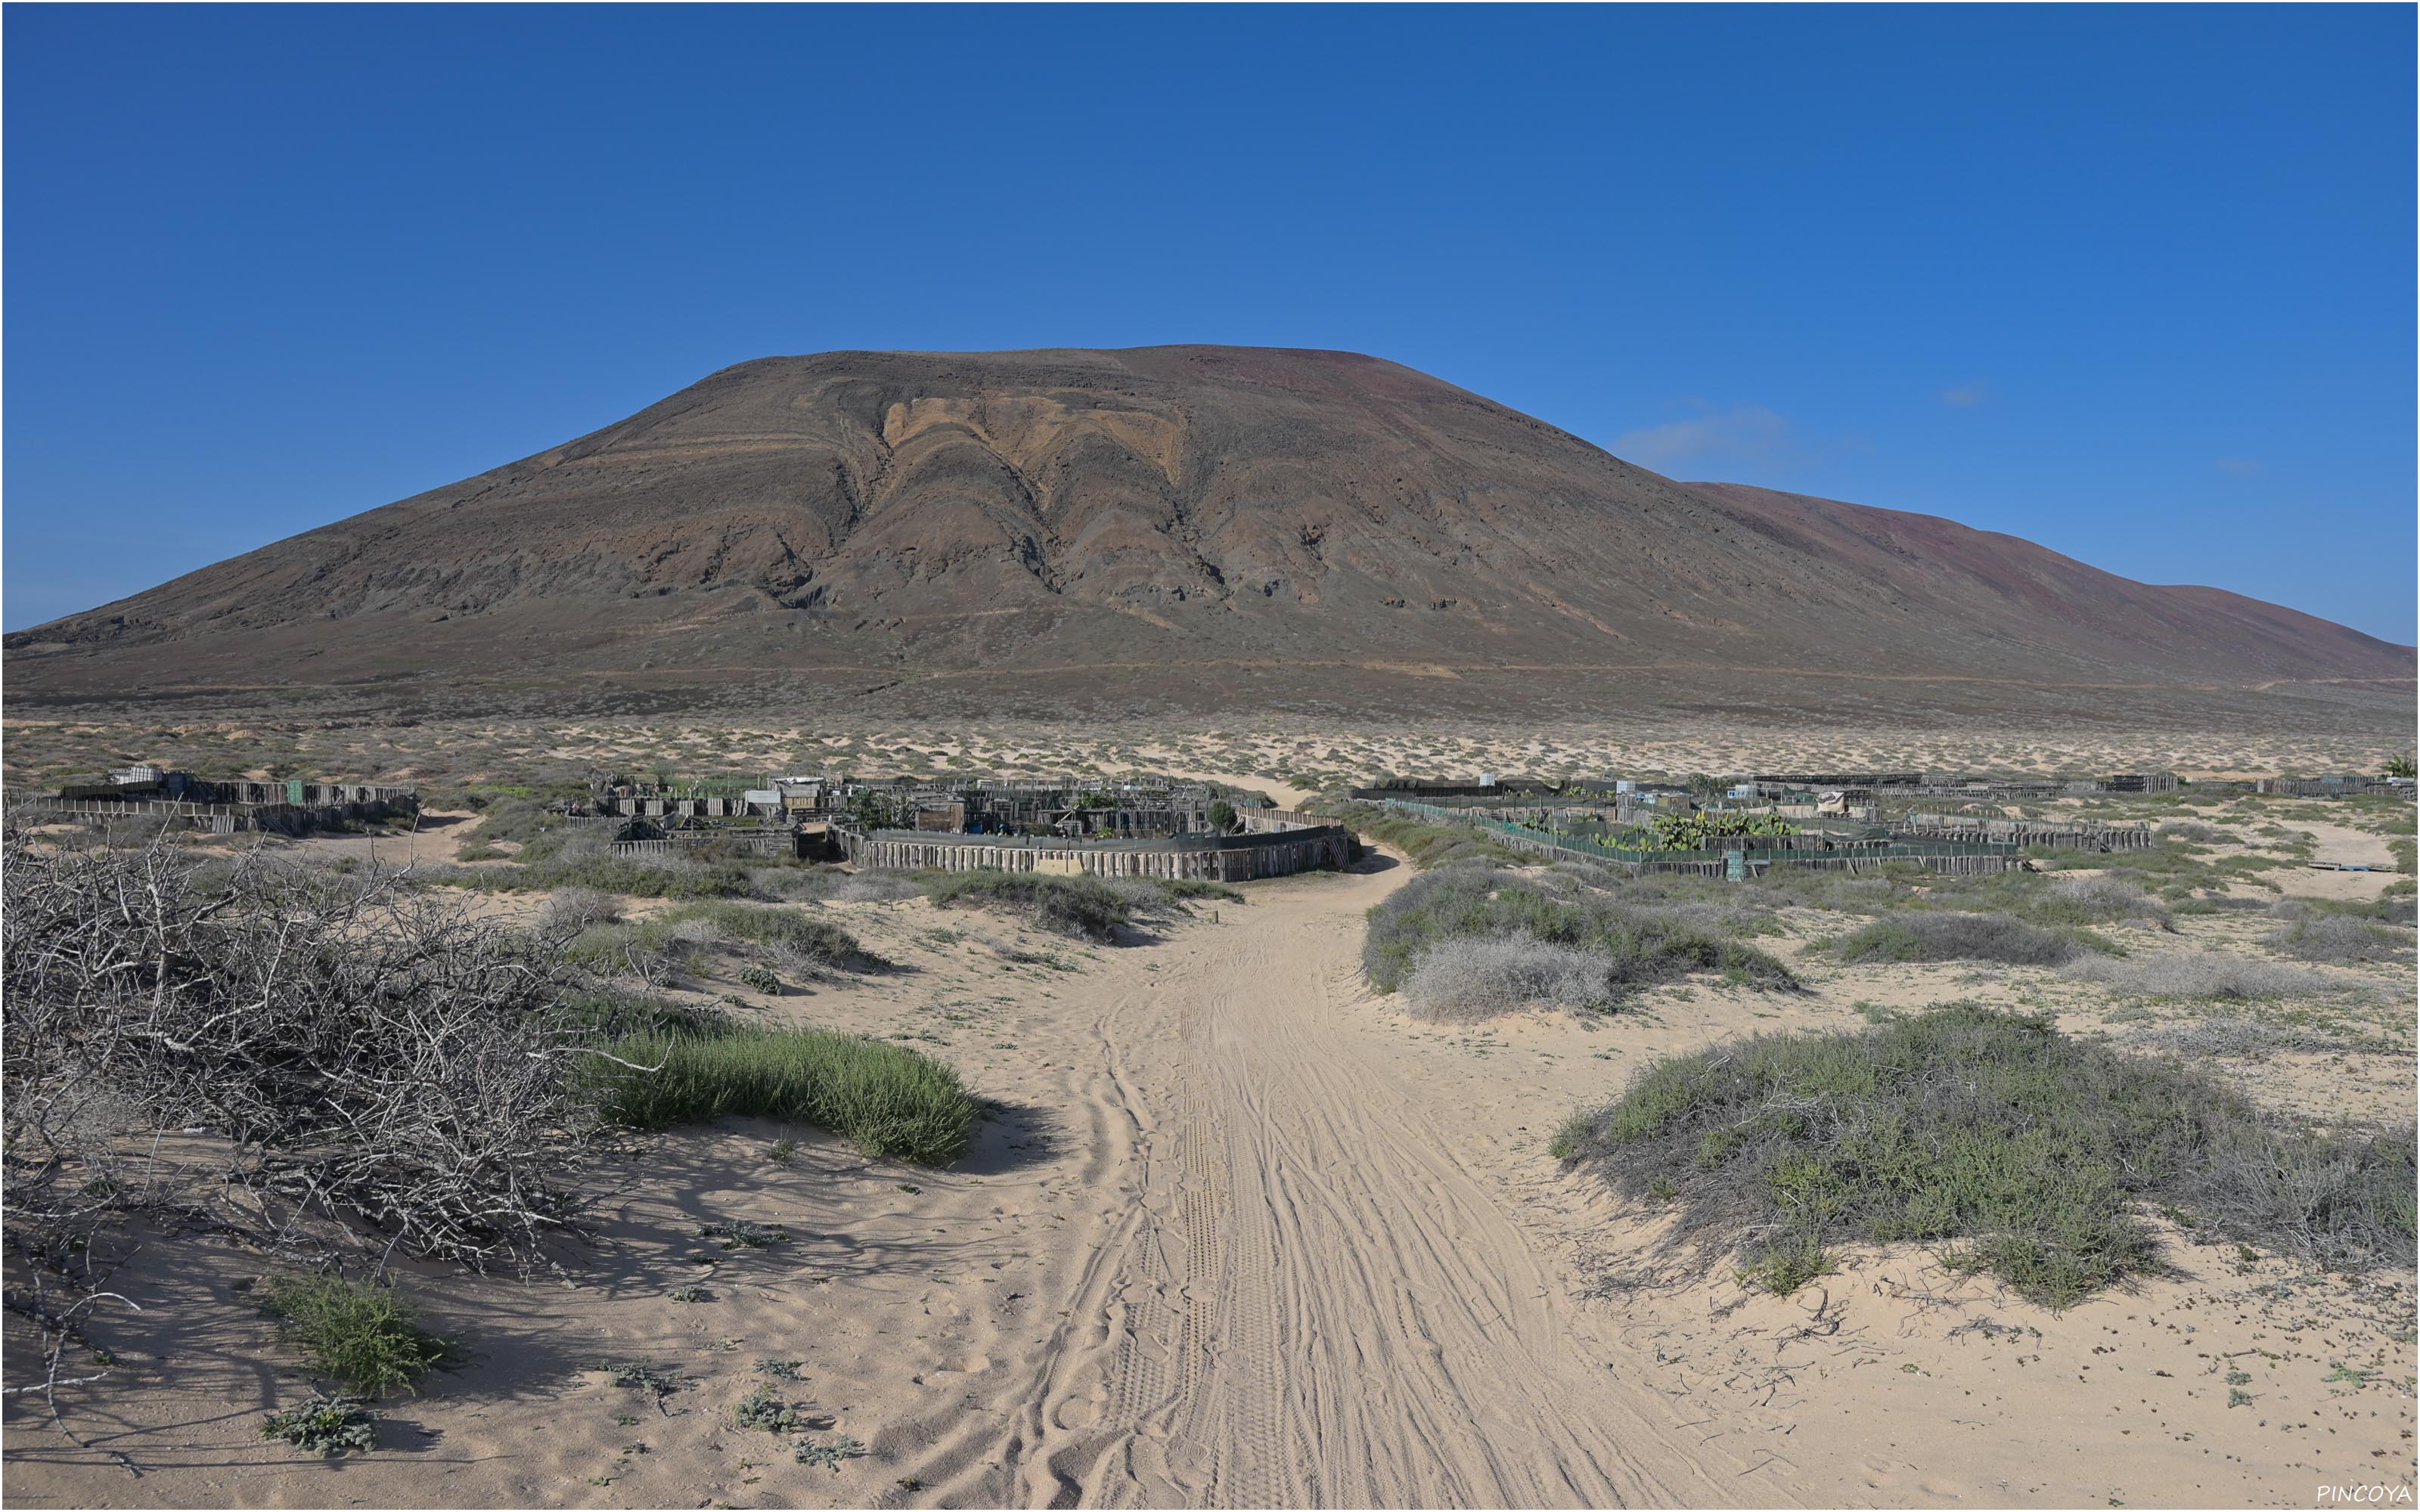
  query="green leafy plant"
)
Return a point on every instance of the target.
[
  {"x": 741, "y": 1234},
  {"x": 1707, "y": 830},
  {"x": 325, "y": 1426},
  {"x": 363, "y": 1335},
  {"x": 762, "y": 1411},
  {"x": 636, "y": 1374},
  {"x": 808, "y": 1451},
  {"x": 1086, "y": 907}
]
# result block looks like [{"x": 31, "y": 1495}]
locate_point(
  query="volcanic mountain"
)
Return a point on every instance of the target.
[{"x": 1176, "y": 527}]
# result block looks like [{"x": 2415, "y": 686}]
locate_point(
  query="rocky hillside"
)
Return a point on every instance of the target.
[{"x": 1188, "y": 527}]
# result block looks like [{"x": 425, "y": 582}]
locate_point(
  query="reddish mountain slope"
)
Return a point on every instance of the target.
[
  {"x": 1201, "y": 526},
  {"x": 1981, "y": 581}
]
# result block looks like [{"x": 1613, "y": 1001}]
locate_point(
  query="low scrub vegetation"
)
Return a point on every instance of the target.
[
  {"x": 2201, "y": 974},
  {"x": 569, "y": 910},
  {"x": 360, "y": 1065},
  {"x": 559, "y": 859},
  {"x": 325, "y": 1426},
  {"x": 1945, "y": 936},
  {"x": 1429, "y": 845},
  {"x": 885, "y": 1099},
  {"x": 793, "y": 930},
  {"x": 871, "y": 887},
  {"x": 2235, "y": 1036},
  {"x": 362, "y": 1334},
  {"x": 787, "y": 939},
  {"x": 1479, "y": 977},
  {"x": 2099, "y": 900},
  {"x": 1085, "y": 907},
  {"x": 2016, "y": 1150},
  {"x": 2340, "y": 939},
  {"x": 1470, "y": 941}
]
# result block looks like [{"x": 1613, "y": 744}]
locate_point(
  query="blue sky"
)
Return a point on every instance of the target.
[{"x": 2134, "y": 282}]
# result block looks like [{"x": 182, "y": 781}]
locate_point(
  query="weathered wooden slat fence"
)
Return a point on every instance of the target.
[
  {"x": 1208, "y": 857},
  {"x": 2023, "y": 832},
  {"x": 1276, "y": 821},
  {"x": 686, "y": 842},
  {"x": 218, "y": 818}
]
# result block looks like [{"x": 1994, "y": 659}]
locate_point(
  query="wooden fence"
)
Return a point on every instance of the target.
[
  {"x": 218, "y": 818},
  {"x": 1277, "y": 821},
  {"x": 2023, "y": 832},
  {"x": 1207, "y": 858},
  {"x": 688, "y": 842}
]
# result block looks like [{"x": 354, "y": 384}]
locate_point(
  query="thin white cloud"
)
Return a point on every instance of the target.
[
  {"x": 1967, "y": 396},
  {"x": 1749, "y": 432},
  {"x": 2240, "y": 466}
]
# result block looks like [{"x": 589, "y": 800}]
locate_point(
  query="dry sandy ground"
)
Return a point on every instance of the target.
[
  {"x": 1242, "y": 1235},
  {"x": 1290, "y": 752}
]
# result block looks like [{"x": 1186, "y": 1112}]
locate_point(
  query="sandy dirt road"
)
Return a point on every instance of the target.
[
  {"x": 1240, "y": 1235},
  {"x": 1311, "y": 1301}
]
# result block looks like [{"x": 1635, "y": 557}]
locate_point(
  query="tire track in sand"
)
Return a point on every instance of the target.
[{"x": 1319, "y": 1305}]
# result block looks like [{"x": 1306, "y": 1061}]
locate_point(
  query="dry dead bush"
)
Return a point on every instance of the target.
[
  {"x": 1477, "y": 977},
  {"x": 569, "y": 910},
  {"x": 2202, "y": 974},
  {"x": 2108, "y": 899},
  {"x": 336, "y": 1047},
  {"x": 874, "y": 887}
]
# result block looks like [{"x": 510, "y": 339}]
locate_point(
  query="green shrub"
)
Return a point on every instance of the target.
[
  {"x": 828, "y": 1456},
  {"x": 1620, "y": 945},
  {"x": 790, "y": 929},
  {"x": 2206, "y": 973},
  {"x": 1947, "y": 936},
  {"x": 2340, "y": 939},
  {"x": 363, "y": 1334},
  {"x": 558, "y": 858},
  {"x": 763, "y": 1411},
  {"x": 885, "y": 1099},
  {"x": 2017, "y": 1149},
  {"x": 1085, "y": 907},
  {"x": 1430, "y": 845},
  {"x": 326, "y": 1425},
  {"x": 790, "y": 936}
]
